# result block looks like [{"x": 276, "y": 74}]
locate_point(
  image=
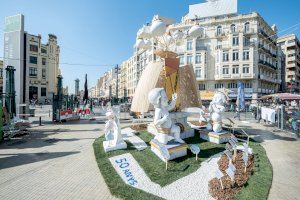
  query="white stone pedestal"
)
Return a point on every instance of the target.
[
  {"x": 180, "y": 119},
  {"x": 109, "y": 147},
  {"x": 175, "y": 149},
  {"x": 213, "y": 137}
]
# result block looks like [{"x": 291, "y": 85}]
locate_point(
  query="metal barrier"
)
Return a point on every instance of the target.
[
  {"x": 286, "y": 119},
  {"x": 233, "y": 129}
]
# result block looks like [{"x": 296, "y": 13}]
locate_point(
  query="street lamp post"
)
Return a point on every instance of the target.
[
  {"x": 76, "y": 87},
  {"x": 10, "y": 91}
]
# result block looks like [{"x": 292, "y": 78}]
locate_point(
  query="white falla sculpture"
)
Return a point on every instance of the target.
[
  {"x": 202, "y": 119},
  {"x": 162, "y": 119},
  {"x": 216, "y": 108},
  {"x": 114, "y": 140}
]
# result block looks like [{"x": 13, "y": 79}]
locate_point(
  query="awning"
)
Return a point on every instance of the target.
[
  {"x": 207, "y": 95},
  {"x": 282, "y": 96}
]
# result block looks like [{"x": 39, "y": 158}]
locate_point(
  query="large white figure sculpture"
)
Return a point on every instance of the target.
[
  {"x": 216, "y": 108},
  {"x": 112, "y": 131},
  {"x": 162, "y": 119}
]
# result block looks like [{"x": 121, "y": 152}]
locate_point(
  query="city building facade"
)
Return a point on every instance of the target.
[
  {"x": 98, "y": 87},
  {"x": 36, "y": 64},
  {"x": 1, "y": 76},
  {"x": 43, "y": 66},
  {"x": 231, "y": 48},
  {"x": 234, "y": 48},
  {"x": 108, "y": 87},
  {"x": 129, "y": 79},
  {"x": 290, "y": 46},
  {"x": 92, "y": 92}
]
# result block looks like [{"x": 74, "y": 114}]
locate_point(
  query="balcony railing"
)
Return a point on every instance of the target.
[
  {"x": 260, "y": 46},
  {"x": 224, "y": 46},
  {"x": 201, "y": 48},
  {"x": 247, "y": 44},
  {"x": 268, "y": 78},
  {"x": 249, "y": 31},
  {"x": 267, "y": 64},
  {"x": 222, "y": 34},
  {"x": 218, "y": 47},
  {"x": 262, "y": 32},
  {"x": 234, "y": 31}
]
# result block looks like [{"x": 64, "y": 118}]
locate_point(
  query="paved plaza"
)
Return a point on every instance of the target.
[
  {"x": 56, "y": 161},
  {"x": 283, "y": 152},
  {"x": 53, "y": 162}
]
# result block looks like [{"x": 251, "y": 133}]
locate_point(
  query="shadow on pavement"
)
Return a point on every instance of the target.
[
  {"x": 261, "y": 135},
  {"x": 14, "y": 160},
  {"x": 40, "y": 138}
]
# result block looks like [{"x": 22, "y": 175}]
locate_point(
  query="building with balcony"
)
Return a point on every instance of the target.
[
  {"x": 42, "y": 61},
  {"x": 233, "y": 48},
  {"x": 98, "y": 87},
  {"x": 124, "y": 74},
  {"x": 290, "y": 46},
  {"x": 109, "y": 84},
  {"x": 92, "y": 92},
  {"x": 1, "y": 76}
]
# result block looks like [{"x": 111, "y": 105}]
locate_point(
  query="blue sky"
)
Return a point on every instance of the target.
[{"x": 102, "y": 32}]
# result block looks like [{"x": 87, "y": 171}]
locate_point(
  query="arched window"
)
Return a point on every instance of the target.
[
  {"x": 233, "y": 28},
  {"x": 219, "y": 30},
  {"x": 247, "y": 27}
]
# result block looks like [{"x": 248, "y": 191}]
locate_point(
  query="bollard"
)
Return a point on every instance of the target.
[
  {"x": 40, "y": 121},
  {"x": 49, "y": 113}
]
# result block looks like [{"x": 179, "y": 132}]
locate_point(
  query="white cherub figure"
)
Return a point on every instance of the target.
[
  {"x": 202, "y": 119},
  {"x": 112, "y": 129},
  {"x": 216, "y": 108},
  {"x": 162, "y": 119}
]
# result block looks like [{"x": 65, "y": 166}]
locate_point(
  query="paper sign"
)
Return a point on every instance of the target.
[
  {"x": 195, "y": 149},
  {"x": 245, "y": 158},
  {"x": 228, "y": 154},
  {"x": 165, "y": 153},
  {"x": 230, "y": 173},
  {"x": 228, "y": 147},
  {"x": 232, "y": 144},
  {"x": 232, "y": 167},
  {"x": 219, "y": 174},
  {"x": 250, "y": 151},
  {"x": 234, "y": 139},
  {"x": 246, "y": 148}
]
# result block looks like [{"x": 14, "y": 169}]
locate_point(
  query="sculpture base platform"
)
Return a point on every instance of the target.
[
  {"x": 174, "y": 148},
  {"x": 189, "y": 132},
  {"x": 180, "y": 119},
  {"x": 107, "y": 147},
  {"x": 216, "y": 138}
]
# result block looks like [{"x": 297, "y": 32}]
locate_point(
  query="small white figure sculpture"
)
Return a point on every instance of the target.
[
  {"x": 110, "y": 126},
  {"x": 216, "y": 108},
  {"x": 162, "y": 119},
  {"x": 202, "y": 120},
  {"x": 112, "y": 131}
]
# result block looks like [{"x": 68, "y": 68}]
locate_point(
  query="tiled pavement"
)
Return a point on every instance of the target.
[
  {"x": 53, "y": 162},
  {"x": 57, "y": 162},
  {"x": 282, "y": 149}
]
